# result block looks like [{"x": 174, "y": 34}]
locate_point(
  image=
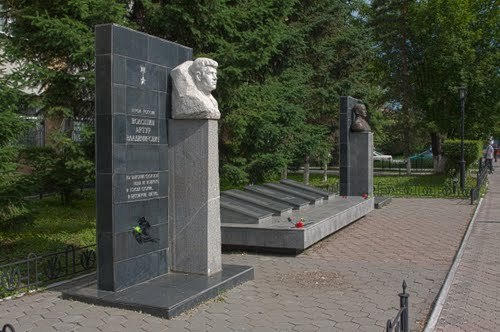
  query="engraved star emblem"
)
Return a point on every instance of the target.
[{"x": 143, "y": 72}]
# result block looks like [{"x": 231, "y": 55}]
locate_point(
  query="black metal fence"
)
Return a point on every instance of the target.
[
  {"x": 401, "y": 323},
  {"x": 417, "y": 166},
  {"x": 409, "y": 190},
  {"x": 8, "y": 328},
  {"x": 481, "y": 178},
  {"x": 406, "y": 190},
  {"x": 40, "y": 270}
]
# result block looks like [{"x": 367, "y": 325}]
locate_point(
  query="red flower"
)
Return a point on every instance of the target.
[{"x": 300, "y": 223}]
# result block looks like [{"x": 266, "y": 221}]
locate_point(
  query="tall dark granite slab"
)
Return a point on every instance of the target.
[
  {"x": 345, "y": 121},
  {"x": 132, "y": 91},
  {"x": 356, "y": 154}
]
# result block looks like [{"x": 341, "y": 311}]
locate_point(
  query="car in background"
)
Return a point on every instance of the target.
[
  {"x": 377, "y": 156},
  {"x": 426, "y": 155}
]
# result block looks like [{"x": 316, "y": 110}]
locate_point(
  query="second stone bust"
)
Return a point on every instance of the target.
[
  {"x": 193, "y": 82},
  {"x": 359, "y": 123}
]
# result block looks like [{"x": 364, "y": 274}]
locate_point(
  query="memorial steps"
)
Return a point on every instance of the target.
[{"x": 324, "y": 213}]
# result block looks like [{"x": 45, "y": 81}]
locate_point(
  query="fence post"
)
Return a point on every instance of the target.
[
  {"x": 403, "y": 302},
  {"x": 8, "y": 328},
  {"x": 388, "y": 326},
  {"x": 70, "y": 249}
]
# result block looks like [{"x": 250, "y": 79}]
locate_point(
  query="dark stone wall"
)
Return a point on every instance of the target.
[
  {"x": 356, "y": 154},
  {"x": 133, "y": 103},
  {"x": 345, "y": 120}
]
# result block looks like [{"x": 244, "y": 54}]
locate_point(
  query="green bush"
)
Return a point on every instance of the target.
[
  {"x": 232, "y": 176},
  {"x": 453, "y": 152},
  {"x": 265, "y": 166},
  {"x": 14, "y": 211},
  {"x": 61, "y": 167}
]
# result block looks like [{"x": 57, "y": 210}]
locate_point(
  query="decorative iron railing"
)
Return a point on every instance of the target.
[
  {"x": 418, "y": 166},
  {"x": 8, "y": 328},
  {"x": 401, "y": 323},
  {"x": 40, "y": 270},
  {"x": 481, "y": 178},
  {"x": 405, "y": 190}
]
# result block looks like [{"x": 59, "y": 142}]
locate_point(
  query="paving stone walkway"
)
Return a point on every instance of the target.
[
  {"x": 347, "y": 282},
  {"x": 473, "y": 302}
]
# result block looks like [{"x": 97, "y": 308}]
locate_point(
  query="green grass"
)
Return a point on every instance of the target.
[
  {"x": 315, "y": 180},
  {"x": 54, "y": 227},
  {"x": 422, "y": 180}
]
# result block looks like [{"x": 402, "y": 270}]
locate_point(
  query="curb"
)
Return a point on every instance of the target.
[{"x": 445, "y": 289}]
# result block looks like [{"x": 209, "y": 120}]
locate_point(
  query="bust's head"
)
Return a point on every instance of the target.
[
  {"x": 204, "y": 73},
  {"x": 359, "y": 110}
]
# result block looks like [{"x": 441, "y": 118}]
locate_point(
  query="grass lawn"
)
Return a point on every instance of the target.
[
  {"x": 315, "y": 179},
  {"x": 423, "y": 180},
  {"x": 53, "y": 228}
]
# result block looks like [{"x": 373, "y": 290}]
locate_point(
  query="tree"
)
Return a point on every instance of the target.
[
  {"x": 53, "y": 45},
  {"x": 12, "y": 186},
  {"x": 427, "y": 49},
  {"x": 455, "y": 46},
  {"x": 245, "y": 38},
  {"x": 391, "y": 20},
  {"x": 330, "y": 39}
]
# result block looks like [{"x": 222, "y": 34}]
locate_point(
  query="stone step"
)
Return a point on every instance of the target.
[
  {"x": 297, "y": 203},
  {"x": 313, "y": 198},
  {"x": 306, "y": 188},
  {"x": 320, "y": 222},
  {"x": 278, "y": 209},
  {"x": 233, "y": 211}
]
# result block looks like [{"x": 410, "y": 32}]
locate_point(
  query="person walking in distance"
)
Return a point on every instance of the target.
[{"x": 490, "y": 151}]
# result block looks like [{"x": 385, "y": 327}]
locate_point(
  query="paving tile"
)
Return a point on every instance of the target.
[
  {"x": 370, "y": 259},
  {"x": 472, "y": 302}
]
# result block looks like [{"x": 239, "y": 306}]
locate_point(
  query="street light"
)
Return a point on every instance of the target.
[{"x": 462, "y": 91}]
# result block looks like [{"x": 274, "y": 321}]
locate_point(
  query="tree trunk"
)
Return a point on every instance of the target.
[
  {"x": 325, "y": 171},
  {"x": 284, "y": 173},
  {"x": 405, "y": 77},
  {"x": 437, "y": 153},
  {"x": 306, "y": 170}
]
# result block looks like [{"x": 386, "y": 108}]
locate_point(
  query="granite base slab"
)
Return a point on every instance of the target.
[
  {"x": 168, "y": 295},
  {"x": 282, "y": 236}
]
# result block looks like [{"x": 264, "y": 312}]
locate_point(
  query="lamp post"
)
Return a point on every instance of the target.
[{"x": 462, "y": 91}]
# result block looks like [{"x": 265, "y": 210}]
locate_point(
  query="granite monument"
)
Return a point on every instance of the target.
[
  {"x": 157, "y": 187},
  {"x": 356, "y": 149}
]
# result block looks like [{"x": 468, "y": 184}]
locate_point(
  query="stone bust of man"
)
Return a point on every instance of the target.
[
  {"x": 193, "y": 82},
  {"x": 359, "y": 123}
]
